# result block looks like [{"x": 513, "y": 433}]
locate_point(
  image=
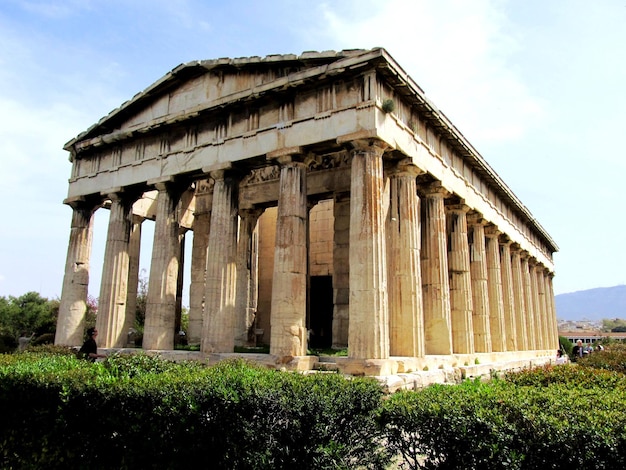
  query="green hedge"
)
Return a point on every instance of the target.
[
  {"x": 560, "y": 417},
  {"x": 140, "y": 412}
]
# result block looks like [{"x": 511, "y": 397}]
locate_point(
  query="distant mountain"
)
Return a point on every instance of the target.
[{"x": 592, "y": 304}]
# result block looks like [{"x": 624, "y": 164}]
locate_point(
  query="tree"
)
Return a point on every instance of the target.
[{"x": 30, "y": 313}]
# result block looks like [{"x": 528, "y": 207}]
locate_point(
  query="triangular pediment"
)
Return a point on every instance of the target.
[{"x": 200, "y": 86}]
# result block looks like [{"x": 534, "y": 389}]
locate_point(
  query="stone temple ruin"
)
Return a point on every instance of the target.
[{"x": 331, "y": 204}]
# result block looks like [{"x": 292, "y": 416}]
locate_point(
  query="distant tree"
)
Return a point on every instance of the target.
[
  {"x": 611, "y": 324},
  {"x": 618, "y": 329},
  {"x": 142, "y": 301},
  {"x": 30, "y": 313},
  {"x": 566, "y": 345}
]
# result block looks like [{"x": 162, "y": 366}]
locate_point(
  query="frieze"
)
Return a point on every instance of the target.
[
  {"x": 261, "y": 175},
  {"x": 329, "y": 161}
]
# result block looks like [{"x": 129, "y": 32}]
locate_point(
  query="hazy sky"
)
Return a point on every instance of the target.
[{"x": 537, "y": 86}]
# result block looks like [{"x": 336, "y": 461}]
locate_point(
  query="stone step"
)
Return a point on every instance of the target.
[{"x": 326, "y": 364}]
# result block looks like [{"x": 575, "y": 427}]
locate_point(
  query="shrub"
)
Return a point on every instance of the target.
[{"x": 141, "y": 412}]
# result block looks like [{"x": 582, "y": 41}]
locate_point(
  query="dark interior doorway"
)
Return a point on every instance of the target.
[{"x": 321, "y": 312}]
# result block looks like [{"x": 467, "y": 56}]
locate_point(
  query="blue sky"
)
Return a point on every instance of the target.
[{"x": 537, "y": 86}]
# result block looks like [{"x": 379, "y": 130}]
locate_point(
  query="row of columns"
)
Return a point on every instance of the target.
[{"x": 422, "y": 277}]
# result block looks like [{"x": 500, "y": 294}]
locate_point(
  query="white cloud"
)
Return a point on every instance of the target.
[{"x": 458, "y": 52}]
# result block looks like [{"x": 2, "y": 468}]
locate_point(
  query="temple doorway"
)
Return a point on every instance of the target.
[{"x": 321, "y": 312}]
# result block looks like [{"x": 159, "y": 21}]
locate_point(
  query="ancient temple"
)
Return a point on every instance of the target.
[{"x": 330, "y": 204}]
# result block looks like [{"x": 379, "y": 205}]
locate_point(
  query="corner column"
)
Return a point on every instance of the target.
[
  {"x": 218, "y": 331},
  {"x": 289, "y": 284},
  {"x": 163, "y": 282},
  {"x": 71, "y": 322},
  {"x": 435, "y": 281},
  {"x": 406, "y": 324},
  {"x": 480, "y": 285},
  {"x": 368, "y": 330},
  {"x": 494, "y": 281},
  {"x": 461, "y": 306}
]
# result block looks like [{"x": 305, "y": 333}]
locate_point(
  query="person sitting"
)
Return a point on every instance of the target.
[
  {"x": 89, "y": 349},
  {"x": 560, "y": 357}
]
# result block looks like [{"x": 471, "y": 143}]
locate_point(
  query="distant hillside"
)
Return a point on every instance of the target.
[{"x": 592, "y": 304}]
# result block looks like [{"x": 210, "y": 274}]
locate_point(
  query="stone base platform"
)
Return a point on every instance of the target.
[{"x": 395, "y": 373}]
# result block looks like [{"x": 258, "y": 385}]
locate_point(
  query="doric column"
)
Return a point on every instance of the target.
[
  {"x": 531, "y": 333},
  {"x": 368, "y": 331},
  {"x": 535, "y": 300},
  {"x": 519, "y": 300},
  {"x": 406, "y": 325},
  {"x": 542, "y": 334},
  {"x": 289, "y": 284},
  {"x": 114, "y": 282},
  {"x": 480, "y": 285},
  {"x": 218, "y": 330},
  {"x": 494, "y": 280},
  {"x": 435, "y": 282},
  {"x": 71, "y": 321},
  {"x": 461, "y": 306},
  {"x": 134, "y": 251},
  {"x": 554, "y": 344},
  {"x": 163, "y": 282},
  {"x": 201, "y": 228},
  {"x": 507, "y": 294},
  {"x": 341, "y": 271},
  {"x": 247, "y": 276}
]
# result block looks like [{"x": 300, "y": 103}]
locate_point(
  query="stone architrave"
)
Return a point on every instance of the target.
[
  {"x": 111, "y": 316},
  {"x": 508, "y": 295},
  {"x": 530, "y": 306},
  {"x": 368, "y": 330},
  {"x": 461, "y": 305},
  {"x": 480, "y": 284},
  {"x": 159, "y": 328},
  {"x": 247, "y": 277},
  {"x": 289, "y": 283},
  {"x": 199, "y": 248},
  {"x": 494, "y": 280},
  {"x": 519, "y": 299},
  {"x": 341, "y": 271},
  {"x": 71, "y": 320},
  {"x": 218, "y": 332},
  {"x": 435, "y": 282},
  {"x": 406, "y": 325},
  {"x": 134, "y": 251}
]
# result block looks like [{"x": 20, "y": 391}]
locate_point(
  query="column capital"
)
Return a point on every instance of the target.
[
  {"x": 491, "y": 231},
  {"x": 252, "y": 213},
  {"x": 360, "y": 144},
  {"x": 458, "y": 208},
  {"x": 405, "y": 167},
  {"x": 285, "y": 154},
  {"x": 505, "y": 240},
  {"x": 476, "y": 218},
  {"x": 434, "y": 189}
]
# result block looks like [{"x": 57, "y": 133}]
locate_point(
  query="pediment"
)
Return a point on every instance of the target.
[{"x": 199, "y": 86}]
